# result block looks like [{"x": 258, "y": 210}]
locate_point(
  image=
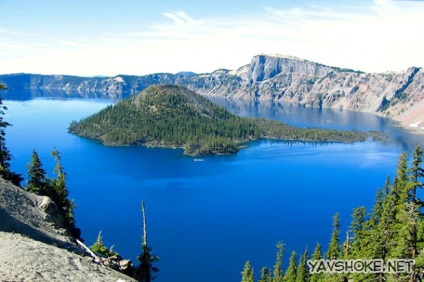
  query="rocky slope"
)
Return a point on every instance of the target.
[
  {"x": 31, "y": 215},
  {"x": 25, "y": 259},
  {"x": 311, "y": 84},
  {"x": 34, "y": 248},
  {"x": 398, "y": 95}
]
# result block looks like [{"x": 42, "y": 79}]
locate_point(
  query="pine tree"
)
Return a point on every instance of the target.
[
  {"x": 383, "y": 237},
  {"x": 317, "y": 255},
  {"x": 387, "y": 187},
  {"x": 303, "y": 274},
  {"x": 37, "y": 182},
  {"x": 358, "y": 229},
  {"x": 416, "y": 173},
  {"x": 99, "y": 247},
  {"x": 401, "y": 230},
  {"x": 373, "y": 241},
  {"x": 362, "y": 243},
  {"x": 377, "y": 209},
  {"x": 419, "y": 259},
  {"x": 384, "y": 233},
  {"x": 291, "y": 272},
  {"x": 402, "y": 169},
  {"x": 409, "y": 206},
  {"x": 5, "y": 156},
  {"x": 277, "y": 274},
  {"x": 146, "y": 259},
  {"x": 247, "y": 273},
  {"x": 415, "y": 205},
  {"x": 265, "y": 276},
  {"x": 334, "y": 251},
  {"x": 334, "y": 246},
  {"x": 59, "y": 191}
]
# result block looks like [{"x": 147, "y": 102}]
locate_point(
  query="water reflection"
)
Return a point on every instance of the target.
[
  {"x": 28, "y": 94},
  {"x": 300, "y": 116}
]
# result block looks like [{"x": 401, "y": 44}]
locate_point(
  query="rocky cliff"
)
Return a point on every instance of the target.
[
  {"x": 33, "y": 246},
  {"x": 398, "y": 95}
]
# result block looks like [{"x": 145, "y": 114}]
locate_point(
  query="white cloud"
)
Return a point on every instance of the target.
[
  {"x": 384, "y": 35},
  {"x": 180, "y": 18}
]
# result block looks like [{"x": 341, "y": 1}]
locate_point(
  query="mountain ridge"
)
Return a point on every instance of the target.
[{"x": 267, "y": 77}]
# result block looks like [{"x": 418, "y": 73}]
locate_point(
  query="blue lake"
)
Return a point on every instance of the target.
[{"x": 207, "y": 218}]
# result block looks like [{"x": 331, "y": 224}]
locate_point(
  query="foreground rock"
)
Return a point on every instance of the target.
[
  {"x": 33, "y": 216},
  {"x": 34, "y": 247},
  {"x": 25, "y": 259}
]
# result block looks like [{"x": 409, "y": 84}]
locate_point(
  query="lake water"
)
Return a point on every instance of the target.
[{"x": 207, "y": 218}]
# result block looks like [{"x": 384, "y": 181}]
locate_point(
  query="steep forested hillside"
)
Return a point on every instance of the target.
[{"x": 173, "y": 116}]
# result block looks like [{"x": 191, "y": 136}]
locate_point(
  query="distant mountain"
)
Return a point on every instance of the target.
[
  {"x": 174, "y": 116},
  {"x": 398, "y": 95}
]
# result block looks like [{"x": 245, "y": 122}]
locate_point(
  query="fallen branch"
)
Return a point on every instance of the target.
[{"x": 87, "y": 250}]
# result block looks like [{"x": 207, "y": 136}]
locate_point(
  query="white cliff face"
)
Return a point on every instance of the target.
[{"x": 311, "y": 84}]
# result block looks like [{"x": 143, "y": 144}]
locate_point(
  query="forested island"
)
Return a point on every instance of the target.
[{"x": 174, "y": 116}]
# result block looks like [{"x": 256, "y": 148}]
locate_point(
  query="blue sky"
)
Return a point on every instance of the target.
[{"x": 92, "y": 37}]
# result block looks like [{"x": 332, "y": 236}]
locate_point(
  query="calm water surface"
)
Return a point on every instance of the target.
[{"x": 206, "y": 218}]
